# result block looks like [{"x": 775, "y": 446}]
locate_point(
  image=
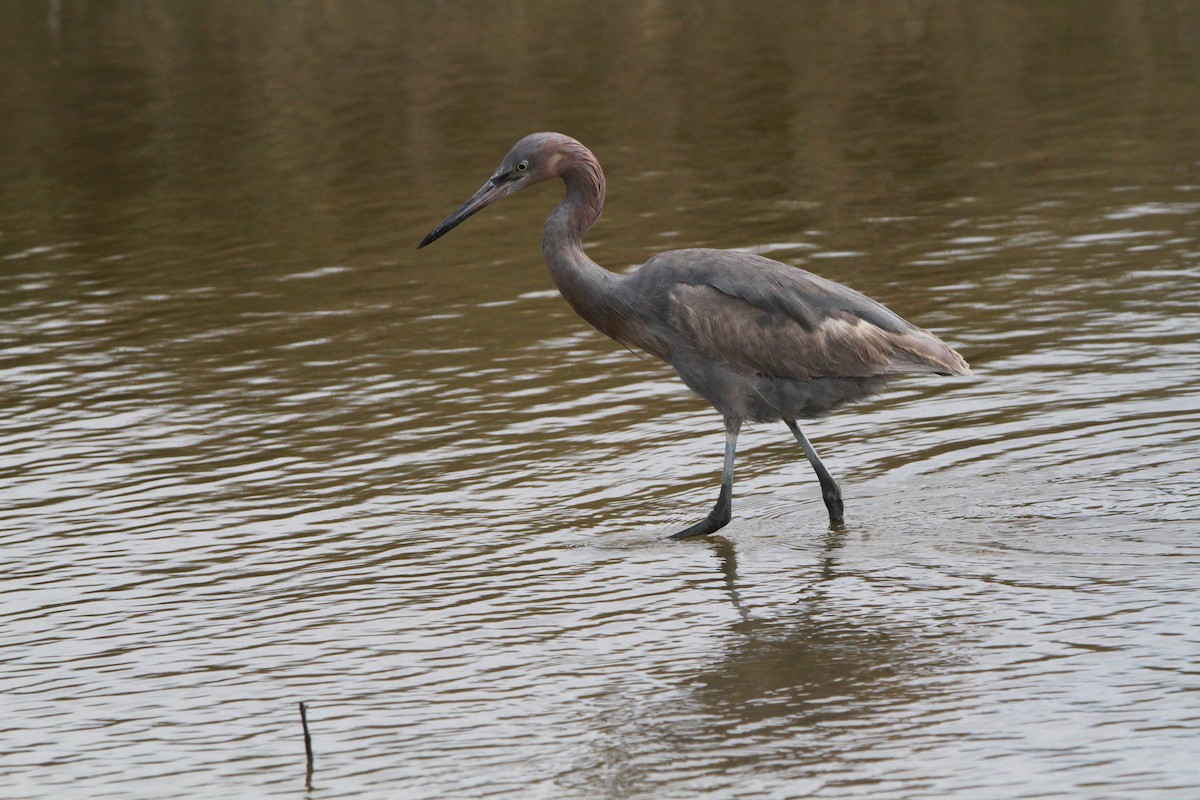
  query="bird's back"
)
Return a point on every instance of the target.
[
  {"x": 735, "y": 323},
  {"x": 757, "y": 314}
]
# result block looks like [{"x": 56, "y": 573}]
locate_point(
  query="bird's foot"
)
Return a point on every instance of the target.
[
  {"x": 710, "y": 524},
  {"x": 832, "y": 496}
]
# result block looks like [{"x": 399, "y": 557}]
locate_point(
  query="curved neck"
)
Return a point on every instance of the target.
[
  {"x": 587, "y": 286},
  {"x": 584, "y": 201}
]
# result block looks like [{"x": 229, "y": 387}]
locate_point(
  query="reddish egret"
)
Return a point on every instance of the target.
[{"x": 758, "y": 339}]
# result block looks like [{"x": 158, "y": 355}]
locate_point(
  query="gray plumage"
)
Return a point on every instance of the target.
[{"x": 758, "y": 339}]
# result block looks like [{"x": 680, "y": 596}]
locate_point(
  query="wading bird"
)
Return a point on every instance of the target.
[{"x": 758, "y": 339}]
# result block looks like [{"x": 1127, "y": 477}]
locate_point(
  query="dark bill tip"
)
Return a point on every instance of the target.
[
  {"x": 446, "y": 226},
  {"x": 489, "y": 193},
  {"x": 429, "y": 237}
]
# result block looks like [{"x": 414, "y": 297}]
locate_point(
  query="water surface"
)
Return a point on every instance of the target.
[{"x": 255, "y": 449}]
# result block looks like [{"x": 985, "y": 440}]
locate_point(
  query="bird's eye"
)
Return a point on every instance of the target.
[{"x": 522, "y": 166}]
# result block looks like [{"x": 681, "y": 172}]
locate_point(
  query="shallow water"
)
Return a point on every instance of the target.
[{"x": 255, "y": 449}]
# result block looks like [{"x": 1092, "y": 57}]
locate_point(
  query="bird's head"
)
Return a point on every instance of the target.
[{"x": 536, "y": 158}]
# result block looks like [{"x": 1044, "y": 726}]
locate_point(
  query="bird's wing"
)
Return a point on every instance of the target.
[{"x": 756, "y": 316}]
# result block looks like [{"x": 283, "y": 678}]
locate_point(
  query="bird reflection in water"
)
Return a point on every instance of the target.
[{"x": 727, "y": 562}]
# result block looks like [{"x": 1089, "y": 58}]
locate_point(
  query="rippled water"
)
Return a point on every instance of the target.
[{"x": 255, "y": 449}]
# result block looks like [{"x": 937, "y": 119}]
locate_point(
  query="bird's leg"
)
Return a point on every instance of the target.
[
  {"x": 829, "y": 488},
  {"x": 719, "y": 517}
]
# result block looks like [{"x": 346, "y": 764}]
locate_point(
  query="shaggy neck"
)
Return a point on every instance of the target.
[{"x": 587, "y": 286}]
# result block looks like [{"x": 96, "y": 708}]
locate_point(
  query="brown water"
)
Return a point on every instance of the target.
[{"x": 256, "y": 449}]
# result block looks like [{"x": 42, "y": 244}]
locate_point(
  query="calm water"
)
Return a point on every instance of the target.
[{"x": 255, "y": 449}]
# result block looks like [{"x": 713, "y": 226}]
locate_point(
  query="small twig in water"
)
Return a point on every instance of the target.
[{"x": 307, "y": 743}]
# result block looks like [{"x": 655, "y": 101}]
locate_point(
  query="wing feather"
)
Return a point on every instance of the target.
[{"x": 793, "y": 334}]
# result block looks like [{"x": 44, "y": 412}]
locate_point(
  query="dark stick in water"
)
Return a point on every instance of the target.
[{"x": 307, "y": 744}]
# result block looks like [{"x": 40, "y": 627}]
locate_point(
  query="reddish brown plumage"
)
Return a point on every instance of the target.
[{"x": 758, "y": 339}]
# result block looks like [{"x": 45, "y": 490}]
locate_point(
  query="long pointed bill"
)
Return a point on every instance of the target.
[{"x": 489, "y": 193}]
